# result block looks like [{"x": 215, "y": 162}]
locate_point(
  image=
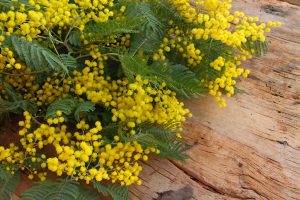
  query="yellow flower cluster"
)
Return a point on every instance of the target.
[
  {"x": 115, "y": 41},
  {"x": 8, "y": 61},
  {"x": 11, "y": 156},
  {"x": 180, "y": 42},
  {"x": 226, "y": 83},
  {"x": 54, "y": 87},
  {"x": 45, "y": 15},
  {"x": 15, "y": 158},
  {"x": 231, "y": 29},
  {"x": 185, "y": 9},
  {"x": 131, "y": 102},
  {"x": 212, "y": 20},
  {"x": 83, "y": 154},
  {"x": 88, "y": 149}
]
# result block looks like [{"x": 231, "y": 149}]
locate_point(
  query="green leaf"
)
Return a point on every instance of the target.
[
  {"x": 6, "y": 4},
  {"x": 151, "y": 31},
  {"x": 66, "y": 106},
  {"x": 15, "y": 104},
  {"x": 100, "y": 31},
  {"x": 74, "y": 38},
  {"x": 177, "y": 77},
  {"x": 146, "y": 41},
  {"x": 52, "y": 190},
  {"x": 8, "y": 184},
  {"x": 69, "y": 61},
  {"x": 257, "y": 47},
  {"x": 34, "y": 55},
  {"x": 165, "y": 12},
  {"x": 84, "y": 107},
  {"x": 87, "y": 194},
  {"x": 163, "y": 137},
  {"x": 16, "y": 107},
  {"x": 117, "y": 192},
  {"x": 211, "y": 50},
  {"x": 144, "y": 12}
]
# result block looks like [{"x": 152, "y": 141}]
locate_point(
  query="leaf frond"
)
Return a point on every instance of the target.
[
  {"x": 117, "y": 192},
  {"x": 34, "y": 55},
  {"x": 8, "y": 184},
  {"x": 66, "y": 106}
]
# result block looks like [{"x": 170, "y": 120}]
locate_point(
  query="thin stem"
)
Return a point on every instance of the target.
[
  {"x": 111, "y": 54},
  {"x": 22, "y": 74},
  {"x": 71, "y": 28},
  {"x": 82, "y": 56},
  {"x": 58, "y": 41}
]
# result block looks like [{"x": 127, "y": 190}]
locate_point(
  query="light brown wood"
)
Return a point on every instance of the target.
[{"x": 250, "y": 150}]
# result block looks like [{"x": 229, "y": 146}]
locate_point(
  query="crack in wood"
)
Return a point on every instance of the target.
[{"x": 206, "y": 185}]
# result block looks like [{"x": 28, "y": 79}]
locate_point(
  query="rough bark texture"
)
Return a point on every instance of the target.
[{"x": 250, "y": 150}]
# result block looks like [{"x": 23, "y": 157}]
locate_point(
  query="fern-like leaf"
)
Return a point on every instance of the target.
[
  {"x": 100, "y": 31},
  {"x": 52, "y": 190},
  {"x": 163, "y": 137},
  {"x": 151, "y": 31},
  {"x": 87, "y": 194},
  {"x": 7, "y": 4},
  {"x": 212, "y": 49},
  {"x": 69, "y": 61},
  {"x": 35, "y": 56},
  {"x": 74, "y": 38},
  {"x": 165, "y": 11},
  {"x": 84, "y": 107},
  {"x": 177, "y": 77},
  {"x": 15, "y": 104},
  {"x": 257, "y": 47},
  {"x": 116, "y": 191},
  {"x": 8, "y": 184},
  {"x": 66, "y": 106}
]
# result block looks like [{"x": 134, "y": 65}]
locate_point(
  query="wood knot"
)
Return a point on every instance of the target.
[
  {"x": 184, "y": 193},
  {"x": 274, "y": 10}
]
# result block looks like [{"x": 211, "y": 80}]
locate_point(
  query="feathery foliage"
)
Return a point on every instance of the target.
[
  {"x": 116, "y": 191},
  {"x": 68, "y": 61},
  {"x": 213, "y": 49},
  {"x": 8, "y": 184},
  {"x": 87, "y": 194},
  {"x": 82, "y": 108},
  {"x": 59, "y": 190},
  {"x": 177, "y": 77},
  {"x": 34, "y": 55},
  {"x": 151, "y": 29},
  {"x": 15, "y": 104},
  {"x": 66, "y": 106},
  {"x": 52, "y": 190},
  {"x": 100, "y": 32},
  {"x": 74, "y": 38},
  {"x": 259, "y": 48},
  {"x": 163, "y": 137}
]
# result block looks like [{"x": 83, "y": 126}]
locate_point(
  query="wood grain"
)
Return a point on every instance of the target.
[{"x": 250, "y": 150}]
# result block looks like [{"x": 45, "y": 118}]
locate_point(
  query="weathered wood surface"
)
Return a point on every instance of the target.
[{"x": 250, "y": 150}]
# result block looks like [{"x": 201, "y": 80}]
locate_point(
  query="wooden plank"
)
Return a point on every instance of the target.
[
  {"x": 161, "y": 176},
  {"x": 295, "y": 2},
  {"x": 250, "y": 150}
]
